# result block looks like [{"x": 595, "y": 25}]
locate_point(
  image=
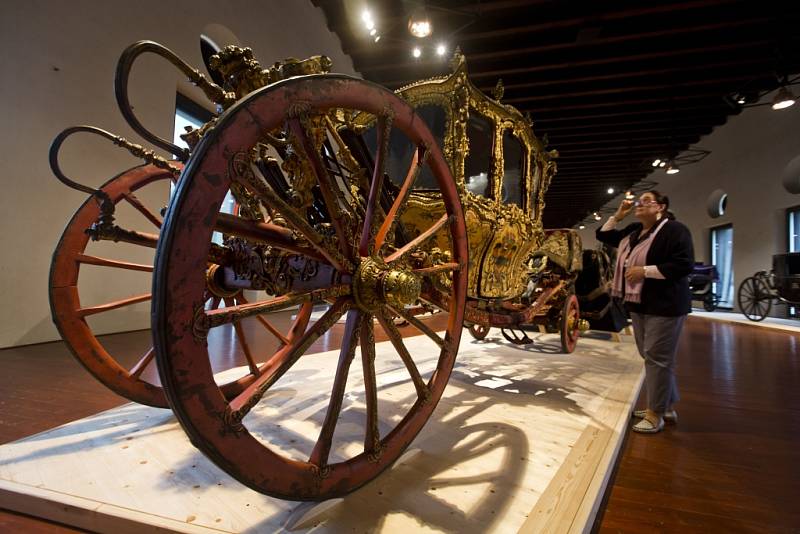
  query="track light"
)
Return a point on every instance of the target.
[
  {"x": 373, "y": 31},
  {"x": 441, "y": 50},
  {"x": 662, "y": 164},
  {"x": 656, "y": 162},
  {"x": 416, "y": 52},
  {"x": 610, "y": 191},
  {"x": 581, "y": 226},
  {"x": 783, "y": 98},
  {"x": 377, "y": 38},
  {"x": 673, "y": 168},
  {"x": 597, "y": 216}
]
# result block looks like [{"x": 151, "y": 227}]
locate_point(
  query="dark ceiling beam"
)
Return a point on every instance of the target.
[
  {"x": 627, "y": 102},
  {"x": 624, "y": 75},
  {"x": 679, "y": 111},
  {"x": 636, "y": 89},
  {"x": 624, "y": 142},
  {"x": 646, "y": 56},
  {"x": 668, "y": 128},
  {"x": 614, "y": 126}
]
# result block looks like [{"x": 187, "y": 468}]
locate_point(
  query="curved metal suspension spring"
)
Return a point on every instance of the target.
[
  {"x": 515, "y": 338},
  {"x": 214, "y": 92},
  {"x": 137, "y": 150}
]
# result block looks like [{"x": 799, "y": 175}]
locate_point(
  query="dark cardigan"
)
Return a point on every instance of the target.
[{"x": 673, "y": 254}]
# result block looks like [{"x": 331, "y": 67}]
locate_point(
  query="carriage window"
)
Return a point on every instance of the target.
[
  {"x": 722, "y": 259},
  {"x": 401, "y": 149},
  {"x": 513, "y": 164},
  {"x": 477, "y": 165}
]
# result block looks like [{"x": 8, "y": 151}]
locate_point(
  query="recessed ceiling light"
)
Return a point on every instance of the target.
[
  {"x": 662, "y": 164},
  {"x": 373, "y": 31},
  {"x": 581, "y": 227},
  {"x": 370, "y": 25},
  {"x": 441, "y": 50},
  {"x": 673, "y": 168},
  {"x": 656, "y": 162},
  {"x": 610, "y": 190},
  {"x": 377, "y": 38},
  {"x": 419, "y": 24},
  {"x": 416, "y": 52},
  {"x": 366, "y": 15}
]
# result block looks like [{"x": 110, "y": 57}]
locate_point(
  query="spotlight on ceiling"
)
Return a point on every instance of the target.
[
  {"x": 416, "y": 52},
  {"x": 656, "y": 162},
  {"x": 377, "y": 38},
  {"x": 419, "y": 24},
  {"x": 441, "y": 50},
  {"x": 610, "y": 190},
  {"x": 662, "y": 164},
  {"x": 783, "y": 98},
  {"x": 366, "y": 15},
  {"x": 741, "y": 100},
  {"x": 597, "y": 216},
  {"x": 373, "y": 31},
  {"x": 581, "y": 226},
  {"x": 673, "y": 168}
]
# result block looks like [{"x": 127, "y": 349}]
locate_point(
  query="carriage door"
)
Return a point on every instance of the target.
[{"x": 722, "y": 258}]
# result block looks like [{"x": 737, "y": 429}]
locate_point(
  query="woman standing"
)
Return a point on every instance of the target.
[{"x": 654, "y": 259}]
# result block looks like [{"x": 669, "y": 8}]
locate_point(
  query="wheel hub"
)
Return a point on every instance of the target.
[{"x": 376, "y": 284}]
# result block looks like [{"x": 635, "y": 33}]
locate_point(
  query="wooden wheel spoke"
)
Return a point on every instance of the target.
[
  {"x": 101, "y": 308},
  {"x": 283, "y": 360},
  {"x": 417, "y": 163},
  {"x": 436, "y": 269},
  {"x": 397, "y": 340},
  {"x": 105, "y": 262},
  {"x": 326, "y": 184},
  {"x": 133, "y": 200},
  {"x": 229, "y": 314},
  {"x": 322, "y": 448},
  {"x": 372, "y": 438},
  {"x": 419, "y": 240},
  {"x": 419, "y": 325},
  {"x": 384, "y": 128},
  {"x": 143, "y": 362},
  {"x": 257, "y": 184},
  {"x": 266, "y": 324},
  {"x": 242, "y": 338}
]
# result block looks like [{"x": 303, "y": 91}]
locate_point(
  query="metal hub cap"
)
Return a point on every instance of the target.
[{"x": 376, "y": 284}]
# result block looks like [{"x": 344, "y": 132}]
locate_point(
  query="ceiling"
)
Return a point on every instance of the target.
[{"x": 610, "y": 85}]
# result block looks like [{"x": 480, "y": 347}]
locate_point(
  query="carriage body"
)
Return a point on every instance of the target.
[{"x": 520, "y": 275}]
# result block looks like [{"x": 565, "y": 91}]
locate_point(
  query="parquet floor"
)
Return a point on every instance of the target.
[{"x": 730, "y": 465}]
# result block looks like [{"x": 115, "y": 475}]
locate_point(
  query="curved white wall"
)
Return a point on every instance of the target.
[{"x": 58, "y": 66}]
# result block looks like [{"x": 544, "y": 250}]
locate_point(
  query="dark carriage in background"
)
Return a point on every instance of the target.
[
  {"x": 314, "y": 188},
  {"x": 757, "y": 293},
  {"x": 701, "y": 284}
]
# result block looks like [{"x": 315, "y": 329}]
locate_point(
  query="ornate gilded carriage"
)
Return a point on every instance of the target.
[{"x": 341, "y": 197}]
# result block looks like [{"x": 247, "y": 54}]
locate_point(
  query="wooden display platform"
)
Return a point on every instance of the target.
[{"x": 523, "y": 440}]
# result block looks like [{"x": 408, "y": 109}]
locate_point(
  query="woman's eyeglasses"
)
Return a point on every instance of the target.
[{"x": 638, "y": 203}]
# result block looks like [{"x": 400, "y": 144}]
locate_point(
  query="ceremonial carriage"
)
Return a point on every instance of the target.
[{"x": 379, "y": 205}]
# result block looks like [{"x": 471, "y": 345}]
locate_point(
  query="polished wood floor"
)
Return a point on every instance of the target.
[{"x": 730, "y": 465}]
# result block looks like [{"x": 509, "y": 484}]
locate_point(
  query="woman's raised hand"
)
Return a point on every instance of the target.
[{"x": 625, "y": 207}]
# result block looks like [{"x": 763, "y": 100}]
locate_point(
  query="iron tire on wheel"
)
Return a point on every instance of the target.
[
  {"x": 569, "y": 324},
  {"x": 216, "y": 426},
  {"x": 754, "y": 298}
]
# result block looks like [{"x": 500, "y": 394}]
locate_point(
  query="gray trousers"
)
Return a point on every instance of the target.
[{"x": 657, "y": 340}]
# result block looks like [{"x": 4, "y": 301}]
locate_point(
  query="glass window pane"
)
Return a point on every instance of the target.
[
  {"x": 401, "y": 149},
  {"x": 477, "y": 165},
  {"x": 722, "y": 258},
  {"x": 794, "y": 231},
  {"x": 513, "y": 164}
]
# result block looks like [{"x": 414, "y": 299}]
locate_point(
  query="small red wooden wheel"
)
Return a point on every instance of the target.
[
  {"x": 479, "y": 331},
  {"x": 570, "y": 324},
  {"x": 351, "y": 233},
  {"x": 75, "y": 281}
]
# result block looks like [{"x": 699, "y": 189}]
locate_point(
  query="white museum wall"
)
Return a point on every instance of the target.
[
  {"x": 748, "y": 156},
  {"x": 58, "y": 62}
]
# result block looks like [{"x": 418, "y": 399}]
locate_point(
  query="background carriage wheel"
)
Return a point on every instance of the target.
[
  {"x": 479, "y": 331},
  {"x": 569, "y": 326},
  {"x": 363, "y": 257},
  {"x": 710, "y": 302},
  {"x": 755, "y": 298},
  {"x": 71, "y": 316}
]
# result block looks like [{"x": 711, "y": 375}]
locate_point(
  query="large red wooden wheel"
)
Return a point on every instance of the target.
[
  {"x": 371, "y": 279},
  {"x": 73, "y": 318}
]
